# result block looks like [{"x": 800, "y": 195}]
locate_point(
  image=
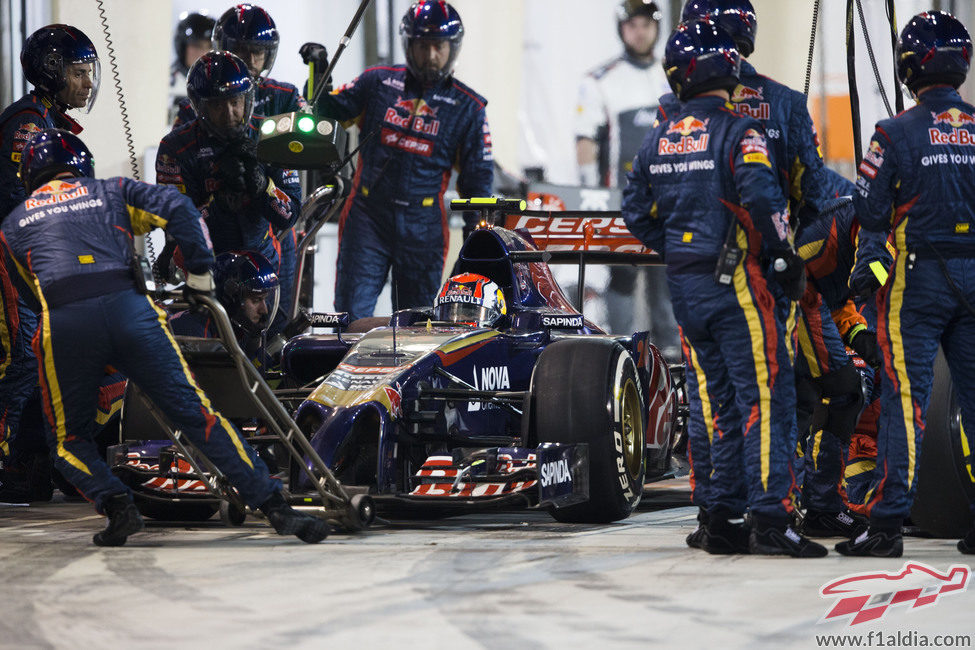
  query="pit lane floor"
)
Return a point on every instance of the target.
[{"x": 494, "y": 581}]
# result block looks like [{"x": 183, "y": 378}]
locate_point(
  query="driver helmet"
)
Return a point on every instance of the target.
[
  {"x": 217, "y": 77},
  {"x": 472, "y": 299},
  {"x": 431, "y": 20},
  {"x": 49, "y": 51},
  {"x": 248, "y": 28},
  {"x": 248, "y": 288},
  {"x": 51, "y": 152}
]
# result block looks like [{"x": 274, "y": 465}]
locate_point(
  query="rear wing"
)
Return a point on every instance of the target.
[{"x": 566, "y": 236}]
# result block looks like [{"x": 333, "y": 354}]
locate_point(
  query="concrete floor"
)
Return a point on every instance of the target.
[{"x": 500, "y": 581}]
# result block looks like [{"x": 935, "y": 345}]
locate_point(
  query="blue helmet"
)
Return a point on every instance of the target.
[
  {"x": 49, "y": 51},
  {"x": 431, "y": 20},
  {"x": 191, "y": 27},
  {"x": 248, "y": 28},
  {"x": 737, "y": 17},
  {"x": 700, "y": 56},
  {"x": 934, "y": 48},
  {"x": 51, "y": 152},
  {"x": 217, "y": 77},
  {"x": 248, "y": 288}
]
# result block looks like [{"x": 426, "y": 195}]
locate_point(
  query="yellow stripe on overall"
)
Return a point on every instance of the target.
[
  {"x": 56, "y": 414},
  {"x": 702, "y": 389},
  {"x": 756, "y": 335},
  {"x": 899, "y": 362}
]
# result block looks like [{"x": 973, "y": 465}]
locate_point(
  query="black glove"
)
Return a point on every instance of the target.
[
  {"x": 317, "y": 54},
  {"x": 864, "y": 284},
  {"x": 314, "y": 53},
  {"x": 864, "y": 343},
  {"x": 228, "y": 170},
  {"x": 790, "y": 273},
  {"x": 255, "y": 178}
]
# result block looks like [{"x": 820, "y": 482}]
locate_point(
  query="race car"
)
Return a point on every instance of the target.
[{"x": 543, "y": 411}]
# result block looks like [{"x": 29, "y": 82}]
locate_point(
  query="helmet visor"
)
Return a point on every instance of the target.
[
  {"x": 258, "y": 55},
  {"x": 81, "y": 81},
  {"x": 431, "y": 60},
  {"x": 257, "y": 309},
  {"x": 462, "y": 312},
  {"x": 226, "y": 117}
]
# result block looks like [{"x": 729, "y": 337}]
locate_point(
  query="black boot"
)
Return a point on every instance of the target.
[
  {"x": 770, "y": 537},
  {"x": 967, "y": 544},
  {"x": 123, "y": 520},
  {"x": 818, "y": 523},
  {"x": 288, "y": 521},
  {"x": 724, "y": 537},
  {"x": 696, "y": 539},
  {"x": 874, "y": 542}
]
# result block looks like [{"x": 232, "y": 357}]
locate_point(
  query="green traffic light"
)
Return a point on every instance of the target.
[
  {"x": 306, "y": 124},
  {"x": 268, "y": 127}
]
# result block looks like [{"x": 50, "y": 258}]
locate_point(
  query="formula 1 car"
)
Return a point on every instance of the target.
[
  {"x": 429, "y": 418},
  {"x": 544, "y": 411}
]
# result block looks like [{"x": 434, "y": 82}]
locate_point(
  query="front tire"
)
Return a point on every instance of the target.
[{"x": 586, "y": 391}]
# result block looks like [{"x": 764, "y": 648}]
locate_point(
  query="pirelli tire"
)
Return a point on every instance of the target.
[
  {"x": 944, "y": 481},
  {"x": 586, "y": 391}
]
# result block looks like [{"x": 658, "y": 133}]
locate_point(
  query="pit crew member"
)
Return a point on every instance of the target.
[
  {"x": 722, "y": 299},
  {"x": 213, "y": 160},
  {"x": 918, "y": 181},
  {"x": 61, "y": 63},
  {"x": 71, "y": 244},
  {"x": 249, "y": 291},
  {"x": 418, "y": 122},
  {"x": 192, "y": 38}
]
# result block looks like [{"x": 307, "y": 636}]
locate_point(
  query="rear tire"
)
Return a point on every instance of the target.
[
  {"x": 587, "y": 391},
  {"x": 944, "y": 488}
]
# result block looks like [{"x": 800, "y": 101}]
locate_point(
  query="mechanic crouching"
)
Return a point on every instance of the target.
[
  {"x": 249, "y": 290},
  {"x": 418, "y": 122},
  {"x": 213, "y": 160},
  {"x": 702, "y": 192},
  {"x": 71, "y": 244}
]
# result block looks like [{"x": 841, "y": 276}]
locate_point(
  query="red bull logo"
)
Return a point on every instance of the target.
[
  {"x": 415, "y": 107},
  {"x": 953, "y": 117},
  {"x": 868, "y": 596},
  {"x": 744, "y": 94},
  {"x": 687, "y": 143},
  {"x": 419, "y": 116},
  {"x": 687, "y": 126},
  {"x": 874, "y": 156},
  {"x": 958, "y": 121}
]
